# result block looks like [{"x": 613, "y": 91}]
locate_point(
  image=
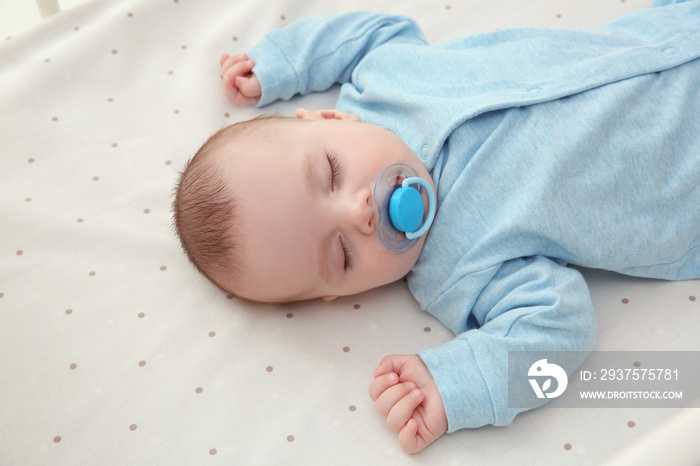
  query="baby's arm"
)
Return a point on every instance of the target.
[
  {"x": 314, "y": 53},
  {"x": 405, "y": 393},
  {"x": 240, "y": 83},
  {"x": 527, "y": 304}
]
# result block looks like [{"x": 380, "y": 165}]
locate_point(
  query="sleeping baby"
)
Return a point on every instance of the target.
[{"x": 480, "y": 168}]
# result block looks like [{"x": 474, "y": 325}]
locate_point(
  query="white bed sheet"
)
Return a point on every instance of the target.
[{"x": 114, "y": 351}]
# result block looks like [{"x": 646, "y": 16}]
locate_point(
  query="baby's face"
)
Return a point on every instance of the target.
[{"x": 307, "y": 215}]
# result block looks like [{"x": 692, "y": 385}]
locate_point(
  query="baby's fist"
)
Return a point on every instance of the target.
[
  {"x": 240, "y": 83},
  {"x": 405, "y": 393}
]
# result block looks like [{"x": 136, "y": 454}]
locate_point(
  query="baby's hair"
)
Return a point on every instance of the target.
[{"x": 205, "y": 217}]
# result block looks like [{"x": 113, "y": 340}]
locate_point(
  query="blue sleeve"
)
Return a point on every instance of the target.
[
  {"x": 667, "y": 2},
  {"x": 315, "y": 53},
  {"x": 530, "y": 304}
]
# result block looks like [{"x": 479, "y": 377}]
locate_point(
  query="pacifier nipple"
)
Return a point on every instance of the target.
[{"x": 401, "y": 210}]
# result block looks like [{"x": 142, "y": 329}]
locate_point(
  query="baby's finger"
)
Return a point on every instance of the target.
[
  {"x": 403, "y": 410},
  {"x": 249, "y": 87},
  {"x": 379, "y": 384},
  {"x": 232, "y": 60},
  {"x": 224, "y": 57},
  {"x": 391, "y": 396}
]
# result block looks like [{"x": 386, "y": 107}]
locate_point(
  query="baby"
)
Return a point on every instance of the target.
[{"x": 541, "y": 148}]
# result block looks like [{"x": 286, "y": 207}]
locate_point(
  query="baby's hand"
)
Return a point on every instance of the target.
[
  {"x": 405, "y": 393},
  {"x": 240, "y": 83}
]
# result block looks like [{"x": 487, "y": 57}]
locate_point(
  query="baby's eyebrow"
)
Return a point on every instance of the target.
[
  {"x": 323, "y": 265},
  {"x": 323, "y": 257},
  {"x": 308, "y": 169}
]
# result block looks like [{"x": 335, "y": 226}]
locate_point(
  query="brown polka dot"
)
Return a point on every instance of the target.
[
  {"x": 46, "y": 60},
  {"x": 163, "y": 268},
  {"x": 146, "y": 211},
  {"x": 426, "y": 329},
  {"x": 229, "y": 296},
  {"x": 234, "y": 38},
  {"x": 213, "y": 450},
  {"x": 57, "y": 439},
  {"x": 114, "y": 51},
  {"x": 692, "y": 298},
  {"x": 76, "y": 28},
  {"x": 170, "y": 72},
  {"x": 92, "y": 273},
  {"x": 559, "y": 16},
  {"x": 141, "y": 315},
  {"x": 282, "y": 17},
  {"x": 625, "y": 301},
  {"x": 130, "y": 14},
  {"x": 176, "y": 111},
  {"x": 2, "y": 295},
  {"x": 269, "y": 369},
  {"x": 29, "y": 199},
  {"x": 346, "y": 349},
  {"x": 95, "y": 178},
  {"x": 447, "y": 7},
  {"x": 8, "y": 37},
  {"x": 114, "y": 145},
  {"x": 20, "y": 252},
  {"x": 168, "y": 162},
  {"x": 132, "y": 427},
  {"x": 109, "y": 99},
  {"x": 631, "y": 424},
  {"x": 567, "y": 446},
  {"x": 356, "y": 306},
  {"x": 30, "y": 160},
  {"x": 637, "y": 364},
  {"x": 184, "y": 47},
  {"x": 73, "y": 366},
  {"x": 227, "y": 115},
  {"x": 290, "y": 315},
  {"x": 80, "y": 220},
  {"x": 290, "y": 438},
  {"x": 69, "y": 311},
  {"x": 54, "y": 119},
  {"x": 352, "y": 408},
  {"x": 142, "y": 363},
  {"x": 198, "y": 390}
]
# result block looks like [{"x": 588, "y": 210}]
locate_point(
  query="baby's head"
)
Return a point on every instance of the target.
[{"x": 280, "y": 209}]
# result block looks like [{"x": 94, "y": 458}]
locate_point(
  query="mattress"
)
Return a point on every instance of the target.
[{"x": 113, "y": 350}]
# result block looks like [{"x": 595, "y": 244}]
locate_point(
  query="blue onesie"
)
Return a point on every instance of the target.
[{"x": 547, "y": 147}]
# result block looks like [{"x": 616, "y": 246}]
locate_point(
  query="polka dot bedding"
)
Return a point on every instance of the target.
[{"x": 113, "y": 350}]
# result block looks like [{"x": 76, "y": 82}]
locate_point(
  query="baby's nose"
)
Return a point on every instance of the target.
[{"x": 364, "y": 214}]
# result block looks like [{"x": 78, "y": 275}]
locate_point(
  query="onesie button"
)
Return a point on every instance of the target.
[
  {"x": 670, "y": 51},
  {"x": 425, "y": 150}
]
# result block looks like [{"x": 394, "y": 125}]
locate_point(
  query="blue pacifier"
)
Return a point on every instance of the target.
[{"x": 400, "y": 205}]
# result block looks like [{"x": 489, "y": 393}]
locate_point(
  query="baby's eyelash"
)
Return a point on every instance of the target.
[
  {"x": 348, "y": 258},
  {"x": 335, "y": 169}
]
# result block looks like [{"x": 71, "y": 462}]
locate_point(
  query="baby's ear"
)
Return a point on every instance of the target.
[{"x": 332, "y": 114}]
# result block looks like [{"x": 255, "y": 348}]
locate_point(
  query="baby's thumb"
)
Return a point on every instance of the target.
[
  {"x": 247, "y": 86},
  {"x": 408, "y": 437}
]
